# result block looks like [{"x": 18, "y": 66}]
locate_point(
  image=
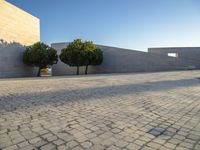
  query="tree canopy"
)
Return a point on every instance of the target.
[
  {"x": 40, "y": 55},
  {"x": 81, "y": 53},
  {"x": 73, "y": 54}
]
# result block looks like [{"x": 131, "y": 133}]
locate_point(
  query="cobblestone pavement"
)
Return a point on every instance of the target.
[{"x": 127, "y": 111}]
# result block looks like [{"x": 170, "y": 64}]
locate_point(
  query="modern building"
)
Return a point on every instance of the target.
[
  {"x": 17, "y": 25},
  {"x": 17, "y": 28}
]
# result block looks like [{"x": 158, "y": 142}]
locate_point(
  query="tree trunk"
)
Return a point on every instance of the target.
[
  {"x": 77, "y": 72},
  {"x": 86, "y": 69},
  {"x": 38, "y": 74}
]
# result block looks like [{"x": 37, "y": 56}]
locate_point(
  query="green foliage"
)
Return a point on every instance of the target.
[
  {"x": 89, "y": 49},
  {"x": 79, "y": 53},
  {"x": 97, "y": 57},
  {"x": 73, "y": 55},
  {"x": 40, "y": 55}
]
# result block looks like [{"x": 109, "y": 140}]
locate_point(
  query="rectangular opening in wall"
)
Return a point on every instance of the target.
[{"x": 172, "y": 54}]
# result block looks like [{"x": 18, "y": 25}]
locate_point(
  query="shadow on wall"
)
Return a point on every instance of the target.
[
  {"x": 61, "y": 97},
  {"x": 4, "y": 44},
  {"x": 11, "y": 61}
]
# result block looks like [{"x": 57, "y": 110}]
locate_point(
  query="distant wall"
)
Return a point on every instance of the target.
[
  {"x": 188, "y": 54},
  {"x": 124, "y": 60},
  {"x": 118, "y": 60},
  {"x": 17, "y": 25},
  {"x": 11, "y": 62}
]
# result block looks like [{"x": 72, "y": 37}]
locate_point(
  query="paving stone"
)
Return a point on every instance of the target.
[
  {"x": 186, "y": 145},
  {"x": 154, "y": 145},
  {"x": 107, "y": 142},
  {"x": 5, "y": 144},
  {"x": 116, "y": 111},
  {"x": 133, "y": 146},
  {"x": 18, "y": 140},
  {"x": 113, "y": 148},
  {"x": 35, "y": 140},
  {"x": 159, "y": 141},
  {"x": 77, "y": 148},
  {"x": 197, "y": 147},
  {"x": 181, "y": 148},
  {"x": 13, "y": 147},
  {"x": 82, "y": 139},
  {"x": 98, "y": 147},
  {"x": 51, "y": 138},
  {"x": 193, "y": 137},
  {"x": 48, "y": 147},
  {"x": 40, "y": 143},
  {"x": 96, "y": 140},
  {"x": 147, "y": 148},
  {"x": 86, "y": 144},
  {"x": 175, "y": 141},
  {"x": 29, "y": 147},
  {"x": 58, "y": 142},
  {"x": 164, "y": 148},
  {"x": 170, "y": 145},
  {"x": 121, "y": 143},
  {"x": 72, "y": 144},
  {"x": 63, "y": 147},
  {"x": 23, "y": 144}
]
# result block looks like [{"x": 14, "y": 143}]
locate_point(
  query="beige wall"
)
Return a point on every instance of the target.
[{"x": 17, "y": 25}]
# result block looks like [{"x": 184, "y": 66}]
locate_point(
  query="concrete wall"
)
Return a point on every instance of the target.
[
  {"x": 118, "y": 60},
  {"x": 17, "y": 25},
  {"x": 186, "y": 53},
  {"x": 11, "y": 64},
  {"x": 21, "y": 27}
]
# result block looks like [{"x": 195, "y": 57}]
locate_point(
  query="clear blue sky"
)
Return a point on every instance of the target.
[{"x": 135, "y": 24}]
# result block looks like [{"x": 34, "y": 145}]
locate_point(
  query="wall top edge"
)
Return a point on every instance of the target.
[
  {"x": 54, "y": 44},
  {"x": 171, "y": 47}
]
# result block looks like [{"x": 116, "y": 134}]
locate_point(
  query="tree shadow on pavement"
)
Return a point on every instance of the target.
[{"x": 30, "y": 100}]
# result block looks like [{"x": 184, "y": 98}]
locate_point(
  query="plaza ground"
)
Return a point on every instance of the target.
[{"x": 118, "y": 111}]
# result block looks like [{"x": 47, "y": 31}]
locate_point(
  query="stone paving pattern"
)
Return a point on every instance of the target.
[{"x": 118, "y": 111}]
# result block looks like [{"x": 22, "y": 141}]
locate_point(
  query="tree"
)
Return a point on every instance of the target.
[
  {"x": 98, "y": 57},
  {"x": 73, "y": 54},
  {"x": 40, "y": 55},
  {"x": 89, "y": 56},
  {"x": 93, "y": 56},
  {"x": 79, "y": 53}
]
